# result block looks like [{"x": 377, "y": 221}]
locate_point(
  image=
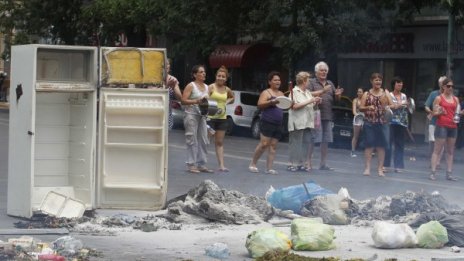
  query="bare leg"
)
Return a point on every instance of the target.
[
  {"x": 367, "y": 157},
  {"x": 380, "y": 160},
  {"x": 262, "y": 146},
  {"x": 219, "y": 145},
  {"x": 450, "y": 143},
  {"x": 439, "y": 143},
  {"x": 354, "y": 141},
  {"x": 271, "y": 153}
]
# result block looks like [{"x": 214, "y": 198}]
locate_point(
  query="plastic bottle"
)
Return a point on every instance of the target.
[{"x": 218, "y": 250}]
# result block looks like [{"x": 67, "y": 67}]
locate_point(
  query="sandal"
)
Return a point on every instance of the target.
[
  {"x": 381, "y": 173},
  {"x": 292, "y": 168},
  {"x": 223, "y": 170},
  {"x": 205, "y": 170},
  {"x": 193, "y": 170},
  {"x": 432, "y": 176},
  {"x": 450, "y": 177},
  {"x": 253, "y": 169},
  {"x": 366, "y": 173},
  {"x": 272, "y": 172},
  {"x": 325, "y": 167}
]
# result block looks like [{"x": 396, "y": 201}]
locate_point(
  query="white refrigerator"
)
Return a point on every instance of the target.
[{"x": 78, "y": 131}]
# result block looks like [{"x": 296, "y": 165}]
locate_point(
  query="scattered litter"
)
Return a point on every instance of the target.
[
  {"x": 218, "y": 250},
  {"x": 392, "y": 236},
  {"x": 263, "y": 240},
  {"x": 293, "y": 197},
  {"x": 455, "y": 249},
  {"x": 331, "y": 208},
  {"x": 432, "y": 235},
  {"x": 309, "y": 234},
  {"x": 454, "y": 225},
  {"x": 28, "y": 248}
]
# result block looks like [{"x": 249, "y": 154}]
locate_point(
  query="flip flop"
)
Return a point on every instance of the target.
[
  {"x": 205, "y": 170},
  {"x": 272, "y": 172},
  {"x": 193, "y": 171},
  {"x": 253, "y": 169},
  {"x": 223, "y": 170}
]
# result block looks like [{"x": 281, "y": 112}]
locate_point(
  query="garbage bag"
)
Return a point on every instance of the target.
[
  {"x": 293, "y": 197},
  {"x": 387, "y": 235},
  {"x": 309, "y": 234},
  {"x": 432, "y": 235},
  {"x": 454, "y": 225},
  {"x": 328, "y": 207},
  {"x": 266, "y": 239}
]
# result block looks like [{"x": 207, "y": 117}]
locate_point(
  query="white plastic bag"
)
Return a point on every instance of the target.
[{"x": 387, "y": 235}]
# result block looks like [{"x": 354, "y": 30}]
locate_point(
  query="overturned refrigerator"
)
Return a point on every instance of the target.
[{"x": 81, "y": 135}]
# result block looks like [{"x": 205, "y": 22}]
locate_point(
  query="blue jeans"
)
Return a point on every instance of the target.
[{"x": 396, "y": 147}]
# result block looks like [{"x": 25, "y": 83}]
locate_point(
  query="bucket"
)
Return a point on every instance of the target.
[{"x": 209, "y": 107}]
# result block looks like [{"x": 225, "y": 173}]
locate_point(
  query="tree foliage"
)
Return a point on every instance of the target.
[{"x": 295, "y": 26}]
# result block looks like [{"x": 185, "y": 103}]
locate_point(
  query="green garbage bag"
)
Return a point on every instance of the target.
[
  {"x": 432, "y": 235},
  {"x": 309, "y": 234},
  {"x": 266, "y": 239}
]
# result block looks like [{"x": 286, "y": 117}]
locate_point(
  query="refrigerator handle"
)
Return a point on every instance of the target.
[{"x": 30, "y": 133}]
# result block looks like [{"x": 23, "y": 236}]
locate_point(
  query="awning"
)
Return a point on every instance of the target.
[{"x": 238, "y": 56}]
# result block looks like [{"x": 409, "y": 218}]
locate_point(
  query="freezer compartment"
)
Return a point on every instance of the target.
[
  {"x": 64, "y": 145},
  {"x": 132, "y": 148},
  {"x": 65, "y": 68}
]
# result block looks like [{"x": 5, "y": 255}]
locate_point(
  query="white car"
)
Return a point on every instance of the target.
[{"x": 241, "y": 112}]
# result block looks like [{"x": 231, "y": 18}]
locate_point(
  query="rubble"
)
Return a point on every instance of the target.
[{"x": 227, "y": 206}]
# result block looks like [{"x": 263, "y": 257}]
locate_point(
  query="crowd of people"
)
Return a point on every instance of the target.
[{"x": 381, "y": 114}]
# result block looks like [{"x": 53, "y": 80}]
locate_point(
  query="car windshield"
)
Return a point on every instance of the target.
[{"x": 249, "y": 98}]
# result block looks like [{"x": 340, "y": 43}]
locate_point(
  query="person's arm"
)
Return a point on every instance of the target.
[
  {"x": 354, "y": 106},
  {"x": 230, "y": 96},
  {"x": 363, "y": 106},
  {"x": 338, "y": 93},
  {"x": 264, "y": 102},
  {"x": 177, "y": 92},
  {"x": 436, "y": 105},
  {"x": 428, "y": 104},
  {"x": 185, "y": 96}
]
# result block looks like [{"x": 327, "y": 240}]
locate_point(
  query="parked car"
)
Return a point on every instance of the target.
[
  {"x": 242, "y": 110},
  {"x": 342, "y": 129}
]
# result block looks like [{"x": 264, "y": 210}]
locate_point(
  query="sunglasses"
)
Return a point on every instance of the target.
[{"x": 449, "y": 86}]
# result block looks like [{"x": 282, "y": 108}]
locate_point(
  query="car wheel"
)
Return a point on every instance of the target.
[
  {"x": 230, "y": 126},
  {"x": 255, "y": 129}
]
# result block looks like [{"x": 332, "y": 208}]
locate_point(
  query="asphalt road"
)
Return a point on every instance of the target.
[{"x": 238, "y": 151}]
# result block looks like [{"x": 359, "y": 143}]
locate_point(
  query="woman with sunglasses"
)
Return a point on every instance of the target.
[{"x": 445, "y": 109}]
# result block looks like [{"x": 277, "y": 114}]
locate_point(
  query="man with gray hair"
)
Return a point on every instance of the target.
[
  {"x": 321, "y": 86},
  {"x": 432, "y": 119}
]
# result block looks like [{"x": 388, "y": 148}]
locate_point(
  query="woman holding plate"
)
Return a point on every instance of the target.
[
  {"x": 270, "y": 124},
  {"x": 300, "y": 123}
]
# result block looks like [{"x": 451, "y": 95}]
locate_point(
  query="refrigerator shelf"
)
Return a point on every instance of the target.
[
  {"x": 132, "y": 186},
  {"x": 135, "y": 145}
]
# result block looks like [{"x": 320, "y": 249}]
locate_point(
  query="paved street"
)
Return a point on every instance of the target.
[{"x": 238, "y": 150}]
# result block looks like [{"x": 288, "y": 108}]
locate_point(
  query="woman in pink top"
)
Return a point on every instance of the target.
[{"x": 445, "y": 108}]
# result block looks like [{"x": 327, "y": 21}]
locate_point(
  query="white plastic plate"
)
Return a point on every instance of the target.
[{"x": 284, "y": 102}]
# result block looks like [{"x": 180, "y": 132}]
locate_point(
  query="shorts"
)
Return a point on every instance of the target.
[
  {"x": 324, "y": 133},
  {"x": 270, "y": 130},
  {"x": 431, "y": 133},
  {"x": 218, "y": 124},
  {"x": 374, "y": 135},
  {"x": 445, "y": 132}
]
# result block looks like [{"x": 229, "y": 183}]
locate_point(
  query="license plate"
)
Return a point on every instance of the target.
[{"x": 345, "y": 133}]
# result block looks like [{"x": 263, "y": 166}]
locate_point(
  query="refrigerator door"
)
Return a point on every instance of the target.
[
  {"x": 132, "y": 153},
  {"x": 21, "y": 132}
]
